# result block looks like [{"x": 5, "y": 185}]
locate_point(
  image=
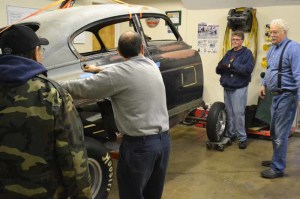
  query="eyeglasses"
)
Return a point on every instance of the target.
[
  {"x": 236, "y": 39},
  {"x": 274, "y": 32},
  {"x": 42, "y": 50}
]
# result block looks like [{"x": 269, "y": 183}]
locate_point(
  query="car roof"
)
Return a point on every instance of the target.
[
  {"x": 58, "y": 25},
  {"x": 79, "y": 16}
]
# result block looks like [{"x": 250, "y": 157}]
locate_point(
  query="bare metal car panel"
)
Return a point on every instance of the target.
[{"x": 180, "y": 65}]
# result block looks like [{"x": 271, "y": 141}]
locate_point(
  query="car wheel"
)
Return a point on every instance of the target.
[
  {"x": 101, "y": 168},
  {"x": 216, "y": 122}
]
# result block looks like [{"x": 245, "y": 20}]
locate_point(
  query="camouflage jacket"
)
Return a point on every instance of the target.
[{"x": 42, "y": 151}]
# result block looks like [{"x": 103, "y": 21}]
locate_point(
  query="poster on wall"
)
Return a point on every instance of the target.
[
  {"x": 212, "y": 45},
  {"x": 175, "y": 17},
  {"x": 16, "y": 13},
  {"x": 202, "y": 44},
  {"x": 208, "y": 38},
  {"x": 212, "y": 31},
  {"x": 202, "y": 27}
]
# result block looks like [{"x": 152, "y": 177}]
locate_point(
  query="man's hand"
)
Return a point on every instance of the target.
[
  {"x": 92, "y": 69},
  {"x": 262, "y": 92},
  {"x": 223, "y": 66},
  {"x": 226, "y": 66}
]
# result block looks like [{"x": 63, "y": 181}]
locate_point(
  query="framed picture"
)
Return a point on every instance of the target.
[{"x": 175, "y": 16}]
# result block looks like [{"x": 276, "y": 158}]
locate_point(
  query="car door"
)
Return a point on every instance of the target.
[{"x": 180, "y": 65}]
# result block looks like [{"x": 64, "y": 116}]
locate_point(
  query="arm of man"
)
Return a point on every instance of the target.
[
  {"x": 262, "y": 92},
  {"x": 70, "y": 150},
  {"x": 221, "y": 67},
  {"x": 295, "y": 65},
  {"x": 97, "y": 86},
  {"x": 246, "y": 66},
  {"x": 92, "y": 69}
]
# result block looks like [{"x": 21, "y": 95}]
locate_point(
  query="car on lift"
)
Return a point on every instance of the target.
[{"x": 87, "y": 35}]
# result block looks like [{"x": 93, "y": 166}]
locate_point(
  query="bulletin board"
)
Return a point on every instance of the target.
[{"x": 15, "y": 13}]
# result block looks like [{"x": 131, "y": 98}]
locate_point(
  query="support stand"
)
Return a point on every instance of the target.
[{"x": 220, "y": 146}]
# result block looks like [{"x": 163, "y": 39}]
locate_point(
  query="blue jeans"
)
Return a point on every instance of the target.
[
  {"x": 142, "y": 166},
  {"x": 283, "y": 111},
  {"x": 235, "y": 103}
]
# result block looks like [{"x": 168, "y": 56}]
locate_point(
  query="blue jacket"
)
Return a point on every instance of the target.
[
  {"x": 290, "y": 67},
  {"x": 17, "y": 70},
  {"x": 241, "y": 66}
]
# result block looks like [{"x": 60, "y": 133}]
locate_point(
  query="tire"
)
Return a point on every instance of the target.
[
  {"x": 101, "y": 168},
  {"x": 216, "y": 122}
]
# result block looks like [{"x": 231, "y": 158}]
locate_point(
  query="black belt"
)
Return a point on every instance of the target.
[
  {"x": 146, "y": 137},
  {"x": 279, "y": 92}
]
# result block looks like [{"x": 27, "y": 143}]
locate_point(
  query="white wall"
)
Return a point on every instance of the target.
[
  {"x": 168, "y": 5},
  {"x": 26, "y": 4},
  {"x": 188, "y": 30},
  {"x": 213, "y": 91},
  {"x": 38, "y": 4}
]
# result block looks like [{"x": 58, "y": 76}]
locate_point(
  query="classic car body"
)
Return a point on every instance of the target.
[{"x": 81, "y": 35}]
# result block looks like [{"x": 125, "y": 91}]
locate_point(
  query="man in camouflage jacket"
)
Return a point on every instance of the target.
[{"x": 42, "y": 151}]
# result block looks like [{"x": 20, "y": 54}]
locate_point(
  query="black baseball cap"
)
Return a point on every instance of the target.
[{"x": 19, "y": 39}]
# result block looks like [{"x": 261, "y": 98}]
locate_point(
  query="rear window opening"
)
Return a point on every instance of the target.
[{"x": 100, "y": 38}]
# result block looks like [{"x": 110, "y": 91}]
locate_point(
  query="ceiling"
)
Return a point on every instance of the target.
[{"x": 218, "y": 4}]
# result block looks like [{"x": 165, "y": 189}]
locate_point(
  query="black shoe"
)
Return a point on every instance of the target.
[
  {"x": 271, "y": 174},
  {"x": 266, "y": 163},
  {"x": 243, "y": 144}
]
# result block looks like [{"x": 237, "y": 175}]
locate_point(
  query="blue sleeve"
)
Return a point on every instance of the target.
[
  {"x": 263, "y": 82},
  {"x": 220, "y": 69},
  {"x": 245, "y": 64},
  {"x": 295, "y": 64}
]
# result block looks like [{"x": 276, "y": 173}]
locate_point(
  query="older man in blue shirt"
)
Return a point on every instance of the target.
[{"x": 285, "y": 88}]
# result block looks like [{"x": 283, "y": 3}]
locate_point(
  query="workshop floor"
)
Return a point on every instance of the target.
[{"x": 195, "y": 172}]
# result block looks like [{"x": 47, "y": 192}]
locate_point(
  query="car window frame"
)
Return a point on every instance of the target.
[{"x": 115, "y": 20}]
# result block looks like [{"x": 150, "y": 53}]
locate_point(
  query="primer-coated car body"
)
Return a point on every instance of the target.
[{"x": 180, "y": 66}]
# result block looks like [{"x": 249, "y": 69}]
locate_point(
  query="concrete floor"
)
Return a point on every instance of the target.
[{"x": 195, "y": 172}]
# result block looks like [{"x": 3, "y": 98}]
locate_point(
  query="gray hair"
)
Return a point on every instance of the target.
[
  {"x": 238, "y": 33},
  {"x": 281, "y": 23}
]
